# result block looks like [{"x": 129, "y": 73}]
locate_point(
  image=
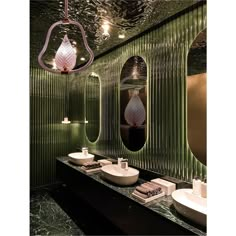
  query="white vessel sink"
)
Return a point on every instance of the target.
[
  {"x": 79, "y": 158},
  {"x": 191, "y": 206},
  {"x": 117, "y": 175}
]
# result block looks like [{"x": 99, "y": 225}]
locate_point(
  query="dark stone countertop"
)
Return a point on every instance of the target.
[{"x": 162, "y": 206}]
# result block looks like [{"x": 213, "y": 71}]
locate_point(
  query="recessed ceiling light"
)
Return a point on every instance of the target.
[
  {"x": 82, "y": 59},
  {"x": 54, "y": 66},
  {"x": 106, "y": 28},
  {"x": 75, "y": 49},
  {"x": 121, "y": 36}
]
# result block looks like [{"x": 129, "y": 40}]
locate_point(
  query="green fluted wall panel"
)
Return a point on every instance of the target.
[
  {"x": 48, "y": 137},
  {"x": 165, "y": 51},
  {"x": 166, "y": 149}
]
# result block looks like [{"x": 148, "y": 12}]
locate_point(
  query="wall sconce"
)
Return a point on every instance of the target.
[
  {"x": 65, "y": 58},
  {"x": 135, "y": 111}
]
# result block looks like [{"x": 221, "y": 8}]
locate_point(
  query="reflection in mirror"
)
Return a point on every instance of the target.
[
  {"x": 92, "y": 106},
  {"x": 196, "y": 97},
  {"x": 133, "y": 101}
]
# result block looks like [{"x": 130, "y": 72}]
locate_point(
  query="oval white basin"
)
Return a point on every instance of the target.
[
  {"x": 191, "y": 206},
  {"x": 79, "y": 158},
  {"x": 117, "y": 175}
]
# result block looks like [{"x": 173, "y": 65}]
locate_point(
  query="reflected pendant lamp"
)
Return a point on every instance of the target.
[
  {"x": 65, "y": 58},
  {"x": 135, "y": 110}
]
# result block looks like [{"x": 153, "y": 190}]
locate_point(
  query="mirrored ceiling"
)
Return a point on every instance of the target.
[{"x": 126, "y": 19}]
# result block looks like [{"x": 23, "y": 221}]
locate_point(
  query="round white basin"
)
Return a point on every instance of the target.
[
  {"x": 117, "y": 175},
  {"x": 191, "y": 206},
  {"x": 79, "y": 158}
]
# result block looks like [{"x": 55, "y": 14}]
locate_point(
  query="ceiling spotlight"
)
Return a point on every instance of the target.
[
  {"x": 54, "y": 66},
  {"x": 82, "y": 59},
  {"x": 121, "y": 36},
  {"x": 106, "y": 28},
  {"x": 75, "y": 49}
]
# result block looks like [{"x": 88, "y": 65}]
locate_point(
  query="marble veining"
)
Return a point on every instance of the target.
[
  {"x": 163, "y": 206},
  {"x": 47, "y": 218}
]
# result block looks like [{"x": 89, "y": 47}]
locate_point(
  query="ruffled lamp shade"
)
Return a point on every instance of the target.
[
  {"x": 65, "y": 58},
  {"x": 135, "y": 111}
]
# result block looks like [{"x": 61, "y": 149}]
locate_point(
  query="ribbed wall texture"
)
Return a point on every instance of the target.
[
  {"x": 166, "y": 149},
  {"x": 92, "y": 107},
  {"x": 165, "y": 51},
  {"x": 48, "y": 137}
]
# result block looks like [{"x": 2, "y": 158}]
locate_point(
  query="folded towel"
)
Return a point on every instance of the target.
[
  {"x": 147, "y": 190},
  {"x": 91, "y": 165},
  {"x": 147, "y": 186},
  {"x": 144, "y": 191},
  {"x": 155, "y": 186},
  {"x": 141, "y": 194},
  {"x": 150, "y": 188}
]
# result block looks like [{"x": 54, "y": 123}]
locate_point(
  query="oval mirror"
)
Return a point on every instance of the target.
[
  {"x": 196, "y": 97},
  {"x": 133, "y": 103},
  {"x": 92, "y": 106}
]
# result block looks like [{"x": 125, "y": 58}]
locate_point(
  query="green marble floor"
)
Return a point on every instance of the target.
[
  {"x": 48, "y": 218},
  {"x": 56, "y": 210}
]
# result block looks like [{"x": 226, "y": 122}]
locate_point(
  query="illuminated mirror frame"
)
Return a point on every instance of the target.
[
  {"x": 87, "y": 121},
  {"x": 131, "y": 72},
  {"x": 196, "y": 140}
]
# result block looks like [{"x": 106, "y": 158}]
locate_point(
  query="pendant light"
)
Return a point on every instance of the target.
[
  {"x": 65, "y": 58},
  {"x": 135, "y": 110}
]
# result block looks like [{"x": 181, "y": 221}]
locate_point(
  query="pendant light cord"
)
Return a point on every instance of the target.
[
  {"x": 66, "y": 9},
  {"x": 67, "y": 97}
]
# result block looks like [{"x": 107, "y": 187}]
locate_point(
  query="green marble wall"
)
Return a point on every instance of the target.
[{"x": 166, "y": 149}]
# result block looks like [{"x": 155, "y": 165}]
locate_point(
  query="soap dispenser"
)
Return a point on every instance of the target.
[
  {"x": 204, "y": 188},
  {"x": 197, "y": 186}
]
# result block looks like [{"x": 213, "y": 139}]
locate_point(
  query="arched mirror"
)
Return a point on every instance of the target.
[
  {"x": 133, "y": 103},
  {"x": 196, "y": 97},
  {"x": 92, "y": 106}
]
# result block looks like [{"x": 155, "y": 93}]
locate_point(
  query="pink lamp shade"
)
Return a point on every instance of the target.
[
  {"x": 135, "y": 111},
  {"x": 65, "y": 58}
]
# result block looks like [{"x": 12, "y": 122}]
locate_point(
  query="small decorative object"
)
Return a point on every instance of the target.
[
  {"x": 65, "y": 59},
  {"x": 65, "y": 121},
  {"x": 204, "y": 188},
  {"x": 135, "y": 111},
  {"x": 85, "y": 151},
  {"x": 197, "y": 186}
]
